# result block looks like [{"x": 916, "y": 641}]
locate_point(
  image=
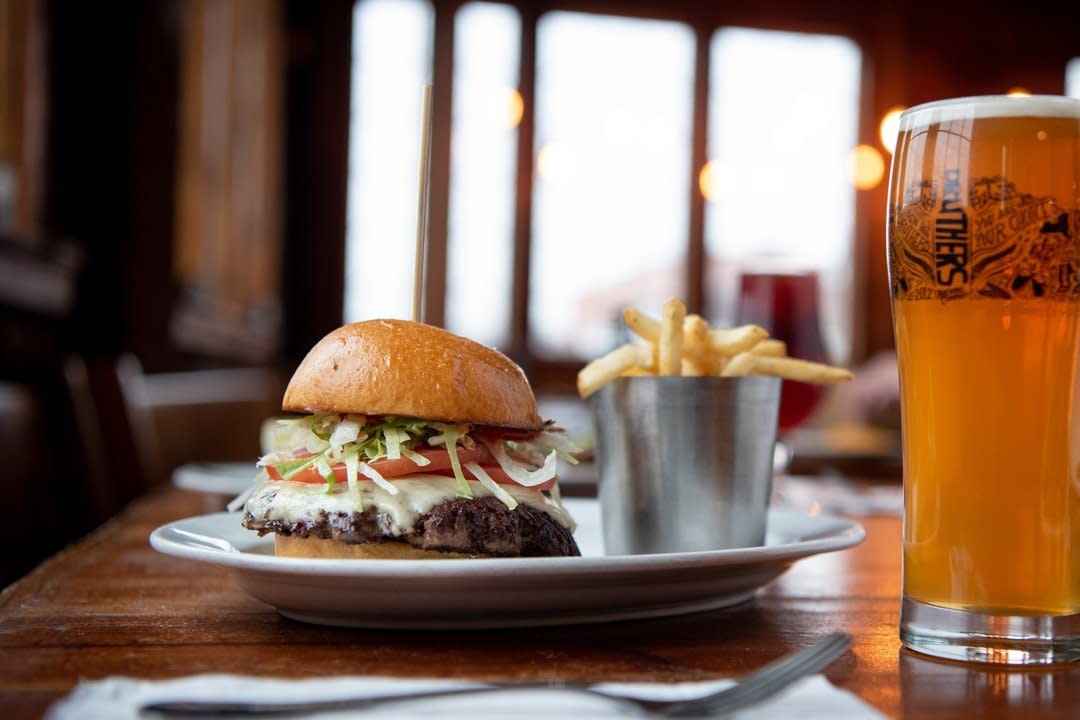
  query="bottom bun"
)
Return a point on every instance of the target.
[{"x": 313, "y": 547}]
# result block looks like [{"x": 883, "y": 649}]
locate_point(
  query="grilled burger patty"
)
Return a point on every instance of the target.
[{"x": 480, "y": 526}]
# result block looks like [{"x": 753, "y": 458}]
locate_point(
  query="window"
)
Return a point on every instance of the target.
[
  {"x": 487, "y": 111},
  {"x": 614, "y": 99},
  {"x": 776, "y": 181},
  {"x": 391, "y": 62}
]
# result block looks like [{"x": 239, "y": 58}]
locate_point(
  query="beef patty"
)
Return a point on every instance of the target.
[{"x": 482, "y": 526}]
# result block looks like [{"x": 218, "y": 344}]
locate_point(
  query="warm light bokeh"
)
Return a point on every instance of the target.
[
  {"x": 515, "y": 108},
  {"x": 550, "y": 161},
  {"x": 1019, "y": 92},
  {"x": 866, "y": 167},
  {"x": 889, "y": 128},
  {"x": 708, "y": 180}
]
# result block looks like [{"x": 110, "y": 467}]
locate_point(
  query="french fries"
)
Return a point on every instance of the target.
[
  {"x": 669, "y": 349},
  {"x": 770, "y": 348},
  {"x": 748, "y": 363},
  {"x": 605, "y": 369},
  {"x": 681, "y": 344}
]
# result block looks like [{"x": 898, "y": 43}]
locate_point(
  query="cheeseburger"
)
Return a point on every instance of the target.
[{"x": 414, "y": 443}]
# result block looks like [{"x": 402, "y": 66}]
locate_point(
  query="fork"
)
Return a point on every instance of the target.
[{"x": 755, "y": 687}]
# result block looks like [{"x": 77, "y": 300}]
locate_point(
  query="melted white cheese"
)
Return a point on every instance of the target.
[{"x": 296, "y": 502}]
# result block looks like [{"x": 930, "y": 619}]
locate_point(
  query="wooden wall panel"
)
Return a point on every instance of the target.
[
  {"x": 22, "y": 115},
  {"x": 227, "y": 252}
]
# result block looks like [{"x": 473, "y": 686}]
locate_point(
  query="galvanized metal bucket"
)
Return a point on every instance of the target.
[{"x": 685, "y": 463}]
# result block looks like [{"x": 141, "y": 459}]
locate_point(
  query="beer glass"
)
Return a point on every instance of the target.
[{"x": 984, "y": 269}]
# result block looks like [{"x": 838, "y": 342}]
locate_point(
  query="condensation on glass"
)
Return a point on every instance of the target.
[
  {"x": 614, "y": 102},
  {"x": 776, "y": 185},
  {"x": 392, "y": 47},
  {"x": 487, "y": 110}
]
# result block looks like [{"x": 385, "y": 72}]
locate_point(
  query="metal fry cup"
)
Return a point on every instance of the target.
[{"x": 685, "y": 463}]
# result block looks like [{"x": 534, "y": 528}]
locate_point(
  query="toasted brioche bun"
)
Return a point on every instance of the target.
[
  {"x": 398, "y": 367},
  {"x": 313, "y": 547}
]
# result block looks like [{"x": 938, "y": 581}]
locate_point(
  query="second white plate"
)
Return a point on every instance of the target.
[{"x": 504, "y": 592}]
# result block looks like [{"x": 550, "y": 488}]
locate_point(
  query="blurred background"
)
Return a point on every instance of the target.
[{"x": 192, "y": 192}]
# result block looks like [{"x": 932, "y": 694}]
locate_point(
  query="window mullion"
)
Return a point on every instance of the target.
[
  {"x": 434, "y": 311},
  {"x": 519, "y": 319},
  {"x": 696, "y": 259}
]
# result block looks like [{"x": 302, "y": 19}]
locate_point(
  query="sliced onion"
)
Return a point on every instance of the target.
[
  {"x": 373, "y": 475},
  {"x": 556, "y": 494},
  {"x": 519, "y": 472},
  {"x": 557, "y": 441},
  {"x": 498, "y": 491}
]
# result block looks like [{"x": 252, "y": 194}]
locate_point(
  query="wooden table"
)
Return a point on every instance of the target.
[{"x": 111, "y": 605}]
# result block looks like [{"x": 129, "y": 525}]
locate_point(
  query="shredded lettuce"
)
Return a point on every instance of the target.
[
  {"x": 497, "y": 490},
  {"x": 322, "y": 426},
  {"x": 394, "y": 439},
  {"x": 563, "y": 455},
  {"x": 418, "y": 459},
  {"x": 373, "y": 475},
  {"x": 450, "y": 436},
  {"x": 347, "y": 431},
  {"x": 290, "y": 468},
  {"x": 328, "y": 475},
  {"x": 352, "y": 463},
  {"x": 324, "y": 440},
  {"x": 331, "y": 437}
]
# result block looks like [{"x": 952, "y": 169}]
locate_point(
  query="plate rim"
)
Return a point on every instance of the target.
[{"x": 849, "y": 533}]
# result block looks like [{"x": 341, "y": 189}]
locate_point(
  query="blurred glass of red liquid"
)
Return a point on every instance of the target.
[{"x": 786, "y": 304}]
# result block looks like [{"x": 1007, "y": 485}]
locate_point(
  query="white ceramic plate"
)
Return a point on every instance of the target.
[{"x": 503, "y": 592}]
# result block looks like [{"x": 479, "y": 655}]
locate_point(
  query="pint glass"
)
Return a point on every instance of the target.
[{"x": 984, "y": 270}]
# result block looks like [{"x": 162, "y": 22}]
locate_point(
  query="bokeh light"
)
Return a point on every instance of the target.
[
  {"x": 515, "y": 108},
  {"x": 865, "y": 167},
  {"x": 1019, "y": 92},
  {"x": 709, "y": 180},
  {"x": 890, "y": 127},
  {"x": 551, "y": 161}
]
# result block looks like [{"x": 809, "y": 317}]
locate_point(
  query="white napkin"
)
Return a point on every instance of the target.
[{"x": 117, "y": 698}]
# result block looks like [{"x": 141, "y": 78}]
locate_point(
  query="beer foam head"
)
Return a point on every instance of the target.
[{"x": 989, "y": 106}]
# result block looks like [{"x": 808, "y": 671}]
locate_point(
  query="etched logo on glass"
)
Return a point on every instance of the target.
[{"x": 1001, "y": 244}]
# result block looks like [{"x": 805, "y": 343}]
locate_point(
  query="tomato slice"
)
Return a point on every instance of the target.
[{"x": 439, "y": 465}]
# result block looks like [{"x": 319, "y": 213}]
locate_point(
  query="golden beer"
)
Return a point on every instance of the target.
[{"x": 984, "y": 263}]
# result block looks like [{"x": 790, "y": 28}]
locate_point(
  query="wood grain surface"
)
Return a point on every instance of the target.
[{"x": 110, "y": 605}]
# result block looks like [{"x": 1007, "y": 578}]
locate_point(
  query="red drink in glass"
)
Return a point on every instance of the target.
[{"x": 786, "y": 304}]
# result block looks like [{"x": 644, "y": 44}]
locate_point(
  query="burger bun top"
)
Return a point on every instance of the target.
[{"x": 399, "y": 367}]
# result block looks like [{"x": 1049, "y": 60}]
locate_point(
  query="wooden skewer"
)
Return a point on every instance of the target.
[{"x": 422, "y": 191}]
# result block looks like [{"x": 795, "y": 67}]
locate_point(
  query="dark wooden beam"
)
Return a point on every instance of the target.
[
  {"x": 316, "y": 170},
  {"x": 442, "y": 93},
  {"x": 519, "y": 312},
  {"x": 696, "y": 257}
]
